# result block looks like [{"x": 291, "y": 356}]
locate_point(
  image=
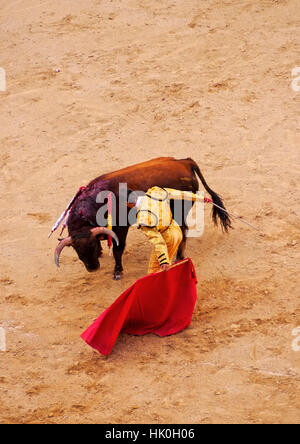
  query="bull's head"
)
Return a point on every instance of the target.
[{"x": 87, "y": 246}]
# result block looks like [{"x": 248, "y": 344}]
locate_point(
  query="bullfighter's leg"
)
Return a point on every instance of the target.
[
  {"x": 118, "y": 251},
  {"x": 172, "y": 237}
]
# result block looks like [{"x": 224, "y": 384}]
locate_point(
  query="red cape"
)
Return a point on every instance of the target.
[{"x": 160, "y": 303}]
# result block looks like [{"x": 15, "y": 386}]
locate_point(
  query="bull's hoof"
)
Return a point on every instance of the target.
[{"x": 117, "y": 276}]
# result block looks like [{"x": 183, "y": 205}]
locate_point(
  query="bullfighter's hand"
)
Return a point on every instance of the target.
[{"x": 165, "y": 267}]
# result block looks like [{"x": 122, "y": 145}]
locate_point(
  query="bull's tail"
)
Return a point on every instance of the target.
[{"x": 217, "y": 213}]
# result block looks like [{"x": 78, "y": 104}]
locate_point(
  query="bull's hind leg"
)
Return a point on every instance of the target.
[
  {"x": 181, "y": 248},
  {"x": 187, "y": 206}
]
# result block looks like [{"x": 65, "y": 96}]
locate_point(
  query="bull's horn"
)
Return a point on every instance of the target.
[
  {"x": 63, "y": 243},
  {"x": 101, "y": 230}
]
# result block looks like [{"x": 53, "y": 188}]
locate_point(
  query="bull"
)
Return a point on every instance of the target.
[{"x": 85, "y": 235}]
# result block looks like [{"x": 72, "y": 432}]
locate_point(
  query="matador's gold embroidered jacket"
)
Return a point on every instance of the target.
[{"x": 154, "y": 216}]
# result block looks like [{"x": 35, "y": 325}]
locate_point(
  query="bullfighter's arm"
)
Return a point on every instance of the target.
[
  {"x": 159, "y": 244},
  {"x": 183, "y": 195}
]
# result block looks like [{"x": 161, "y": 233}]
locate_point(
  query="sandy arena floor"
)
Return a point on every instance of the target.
[{"x": 96, "y": 85}]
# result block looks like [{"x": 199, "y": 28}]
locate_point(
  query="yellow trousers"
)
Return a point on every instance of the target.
[{"x": 173, "y": 238}]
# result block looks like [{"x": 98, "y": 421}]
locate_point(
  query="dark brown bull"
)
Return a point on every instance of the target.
[{"x": 85, "y": 236}]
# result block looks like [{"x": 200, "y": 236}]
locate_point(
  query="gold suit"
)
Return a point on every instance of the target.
[{"x": 154, "y": 218}]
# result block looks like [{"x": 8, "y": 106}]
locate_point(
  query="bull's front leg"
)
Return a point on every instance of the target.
[{"x": 118, "y": 251}]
